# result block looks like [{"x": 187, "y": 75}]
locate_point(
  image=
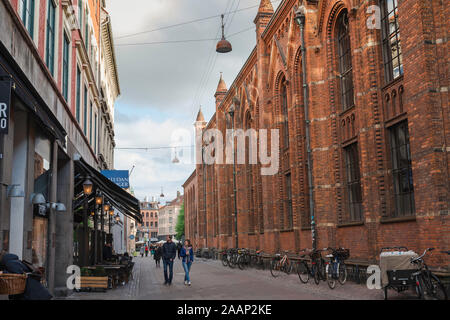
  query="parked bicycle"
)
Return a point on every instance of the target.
[
  {"x": 318, "y": 266},
  {"x": 336, "y": 269},
  {"x": 303, "y": 269},
  {"x": 281, "y": 264},
  {"x": 257, "y": 260},
  {"x": 428, "y": 284},
  {"x": 224, "y": 257},
  {"x": 243, "y": 258}
]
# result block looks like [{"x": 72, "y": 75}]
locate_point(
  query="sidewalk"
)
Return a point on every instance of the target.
[{"x": 212, "y": 281}]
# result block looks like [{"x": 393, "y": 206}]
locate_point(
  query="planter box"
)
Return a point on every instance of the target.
[{"x": 94, "y": 283}]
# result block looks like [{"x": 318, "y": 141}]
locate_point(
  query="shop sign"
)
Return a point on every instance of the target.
[
  {"x": 119, "y": 177},
  {"x": 5, "y": 106}
]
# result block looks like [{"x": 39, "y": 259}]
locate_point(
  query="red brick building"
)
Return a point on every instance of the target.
[{"x": 379, "y": 119}]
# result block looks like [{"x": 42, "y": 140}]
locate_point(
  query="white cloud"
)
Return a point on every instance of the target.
[
  {"x": 163, "y": 79},
  {"x": 153, "y": 168}
]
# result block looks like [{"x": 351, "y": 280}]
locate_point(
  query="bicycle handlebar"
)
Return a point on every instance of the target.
[{"x": 423, "y": 255}]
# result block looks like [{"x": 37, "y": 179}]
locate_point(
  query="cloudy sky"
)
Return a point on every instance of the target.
[{"x": 163, "y": 84}]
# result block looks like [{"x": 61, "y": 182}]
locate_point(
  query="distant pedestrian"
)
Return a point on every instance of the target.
[
  {"x": 146, "y": 250},
  {"x": 179, "y": 246},
  {"x": 169, "y": 253},
  {"x": 152, "y": 251},
  {"x": 142, "y": 251},
  {"x": 157, "y": 256},
  {"x": 187, "y": 253}
]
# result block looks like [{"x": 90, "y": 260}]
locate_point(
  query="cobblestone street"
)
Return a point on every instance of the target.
[{"x": 212, "y": 281}]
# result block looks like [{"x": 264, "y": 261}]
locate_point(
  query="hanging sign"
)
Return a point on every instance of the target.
[
  {"x": 119, "y": 177},
  {"x": 5, "y": 105}
]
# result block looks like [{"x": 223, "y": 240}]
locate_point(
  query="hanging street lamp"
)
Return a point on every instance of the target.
[
  {"x": 106, "y": 207},
  {"x": 223, "y": 46},
  {"x": 87, "y": 186},
  {"x": 98, "y": 199}
]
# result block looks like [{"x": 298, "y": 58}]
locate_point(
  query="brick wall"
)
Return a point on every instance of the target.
[{"x": 419, "y": 96}]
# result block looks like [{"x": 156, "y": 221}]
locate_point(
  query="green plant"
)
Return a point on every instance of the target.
[
  {"x": 179, "y": 228},
  {"x": 85, "y": 272}
]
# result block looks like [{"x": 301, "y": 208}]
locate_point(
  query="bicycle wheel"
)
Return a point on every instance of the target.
[
  {"x": 330, "y": 272},
  {"x": 240, "y": 262},
  {"x": 342, "y": 272},
  {"x": 232, "y": 261},
  {"x": 303, "y": 272},
  {"x": 419, "y": 287},
  {"x": 225, "y": 260},
  {"x": 275, "y": 268},
  {"x": 287, "y": 267},
  {"x": 435, "y": 288},
  {"x": 315, "y": 272}
]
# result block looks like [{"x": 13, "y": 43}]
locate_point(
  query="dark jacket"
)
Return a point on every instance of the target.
[
  {"x": 169, "y": 251},
  {"x": 158, "y": 253},
  {"x": 184, "y": 255}
]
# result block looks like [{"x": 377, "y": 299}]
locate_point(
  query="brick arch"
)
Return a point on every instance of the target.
[
  {"x": 336, "y": 10},
  {"x": 297, "y": 77},
  {"x": 277, "y": 94},
  {"x": 334, "y": 95}
]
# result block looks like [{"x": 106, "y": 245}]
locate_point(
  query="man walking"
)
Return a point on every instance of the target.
[
  {"x": 169, "y": 252},
  {"x": 179, "y": 246}
]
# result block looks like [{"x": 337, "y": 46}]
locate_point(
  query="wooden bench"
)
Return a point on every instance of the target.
[{"x": 94, "y": 283}]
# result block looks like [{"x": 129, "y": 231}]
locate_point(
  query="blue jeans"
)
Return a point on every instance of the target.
[
  {"x": 187, "y": 269},
  {"x": 168, "y": 263}
]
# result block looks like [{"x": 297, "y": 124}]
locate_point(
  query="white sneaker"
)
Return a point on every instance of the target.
[
  {"x": 185, "y": 282},
  {"x": 189, "y": 283}
]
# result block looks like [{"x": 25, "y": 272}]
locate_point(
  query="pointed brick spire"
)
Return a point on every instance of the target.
[
  {"x": 265, "y": 7},
  {"x": 221, "y": 87},
  {"x": 200, "y": 117},
  {"x": 265, "y": 12}
]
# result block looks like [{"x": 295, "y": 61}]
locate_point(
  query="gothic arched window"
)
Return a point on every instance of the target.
[
  {"x": 344, "y": 61},
  {"x": 284, "y": 112}
]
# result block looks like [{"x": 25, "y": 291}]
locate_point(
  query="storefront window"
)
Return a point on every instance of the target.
[{"x": 42, "y": 169}]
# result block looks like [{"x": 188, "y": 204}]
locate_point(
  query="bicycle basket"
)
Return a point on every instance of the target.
[{"x": 343, "y": 254}]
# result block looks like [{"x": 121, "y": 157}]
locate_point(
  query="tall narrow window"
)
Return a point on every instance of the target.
[
  {"x": 50, "y": 50},
  {"x": 65, "y": 78},
  {"x": 80, "y": 13},
  {"x": 284, "y": 110},
  {"x": 392, "y": 51},
  {"x": 86, "y": 31},
  {"x": 78, "y": 102},
  {"x": 85, "y": 110},
  {"x": 288, "y": 195},
  {"x": 354, "y": 196},
  {"x": 95, "y": 135},
  {"x": 28, "y": 15},
  {"x": 90, "y": 124},
  {"x": 345, "y": 61},
  {"x": 402, "y": 170}
]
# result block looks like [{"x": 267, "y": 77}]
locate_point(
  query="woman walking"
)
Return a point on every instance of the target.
[
  {"x": 157, "y": 256},
  {"x": 187, "y": 253},
  {"x": 142, "y": 251}
]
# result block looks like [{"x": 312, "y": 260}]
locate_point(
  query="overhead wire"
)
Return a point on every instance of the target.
[
  {"x": 187, "y": 22},
  {"x": 183, "y": 41},
  {"x": 228, "y": 24},
  {"x": 212, "y": 55}
]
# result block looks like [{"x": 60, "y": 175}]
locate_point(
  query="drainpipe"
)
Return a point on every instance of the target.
[
  {"x": 204, "y": 196},
  {"x": 300, "y": 19}
]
